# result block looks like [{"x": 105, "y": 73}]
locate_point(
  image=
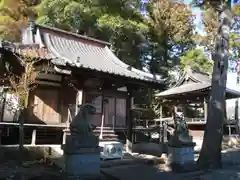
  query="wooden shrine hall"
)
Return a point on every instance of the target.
[
  {"x": 80, "y": 70},
  {"x": 190, "y": 94}
]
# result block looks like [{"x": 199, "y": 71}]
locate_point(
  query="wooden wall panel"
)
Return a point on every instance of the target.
[
  {"x": 43, "y": 106},
  {"x": 109, "y": 112},
  {"x": 68, "y": 100},
  {"x": 50, "y": 110},
  {"x": 121, "y": 112}
]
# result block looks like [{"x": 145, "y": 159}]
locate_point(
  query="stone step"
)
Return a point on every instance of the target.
[
  {"x": 106, "y": 135},
  {"x": 109, "y": 139},
  {"x": 109, "y": 136},
  {"x": 104, "y": 131}
]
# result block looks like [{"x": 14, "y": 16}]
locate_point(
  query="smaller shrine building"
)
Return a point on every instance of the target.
[{"x": 191, "y": 93}]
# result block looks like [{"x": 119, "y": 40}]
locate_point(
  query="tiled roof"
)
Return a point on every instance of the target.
[
  {"x": 183, "y": 89},
  {"x": 66, "y": 48},
  {"x": 194, "y": 76},
  {"x": 92, "y": 57},
  {"x": 99, "y": 57},
  {"x": 28, "y": 50},
  {"x": 200, "y": 82},
  {"x": 201, "y": 77}
]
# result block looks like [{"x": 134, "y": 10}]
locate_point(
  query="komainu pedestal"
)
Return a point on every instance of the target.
[
  {"x": 81, "y": 151},
  {"x": 180, "y": 146},
  {"x": 82, "y": 155},
  {"x": 180, "y": 154}
]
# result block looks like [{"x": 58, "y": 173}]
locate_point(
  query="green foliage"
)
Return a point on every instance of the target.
[
  {"x": 197, "y": 61},
  {"x": 114, "y": 21},
  {"x": 210, "y": 19},
  {"x": 13, "y": 17},
  {"x": 210, "y": 155},
  {"x": 236, "y": 9},
  {"x": 157, "y": 41},
  {"x": 171, "y": 33}
]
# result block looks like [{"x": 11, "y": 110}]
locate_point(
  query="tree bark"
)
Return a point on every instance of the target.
[
  {"x": 24, "y": 111},
  {"x": 210, "y": 155},
  {"x": 237, "y": 104}
]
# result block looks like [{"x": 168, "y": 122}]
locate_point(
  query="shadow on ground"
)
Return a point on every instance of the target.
[
  {"x": 29, "y": 164},
  {"x": 33, "y": 163}
]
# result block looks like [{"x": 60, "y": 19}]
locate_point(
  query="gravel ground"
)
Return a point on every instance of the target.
[
  {"x": 230, "y": 170},
  {"x": 28, "y": 170},
  {"x": 44, "y": 169}
]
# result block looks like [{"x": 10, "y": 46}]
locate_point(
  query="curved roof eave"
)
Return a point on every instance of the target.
[{"x": 118, "y": 67}]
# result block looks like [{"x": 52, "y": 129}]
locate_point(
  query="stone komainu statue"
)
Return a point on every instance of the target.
[
  {"x": 181, "y": 128},
  {"x": 81, "y": 122}
]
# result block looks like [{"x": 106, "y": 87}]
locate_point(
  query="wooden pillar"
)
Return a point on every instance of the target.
[
  {"x": 61, "y": 94},
  {"x": 25, "y": 110},
  {"x": 161, "y": 112},
  {"x": 64, "y": 136},
  {"x": 133, "y": 122},
  {"x": 79, "y": 100},
  {"x": 2, "y": 105},
  {"x": 165, "y": 133},
  {"x": 129, "y": 141},
  {"x": 205, "y": 103},
  {"x": 21, "y": 129},
  {"x": 34, "y": 132},
  {"x": 161, "y": 127},
  {"x": 229, "y": 130},
  {"x": 102, "y": 115}
]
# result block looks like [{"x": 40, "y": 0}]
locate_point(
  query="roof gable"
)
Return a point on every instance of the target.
[
  {"x": 74, "y": 50},
  {"x": 72, "y": 36},
  {"x": 30, "y": 35},
  {"x": 190, "y": 77},
  {"x": 191, "y": 83}
]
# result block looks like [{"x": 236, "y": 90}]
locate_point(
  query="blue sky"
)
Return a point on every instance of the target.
[{"x": 197, "y": 13}]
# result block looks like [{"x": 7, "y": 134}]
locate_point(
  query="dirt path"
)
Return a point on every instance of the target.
[
  {"x": 230, "y": 171},
  {"x": 28, "y": 170},
  {"x": 44, "y": 169}
]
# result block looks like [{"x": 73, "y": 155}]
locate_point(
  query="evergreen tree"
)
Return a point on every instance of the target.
[
  {"x": 218, "y": 33},
  {"x": 171, "y": 33},
  {"x": 116, "y": 21},
  {"x": 14, "y": 15},
  {"x": 197, "y": 60}
]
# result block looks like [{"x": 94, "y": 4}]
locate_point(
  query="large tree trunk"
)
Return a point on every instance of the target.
[
  {"x": 210, "y": 155},
  {"x": 237, "y": 103}
]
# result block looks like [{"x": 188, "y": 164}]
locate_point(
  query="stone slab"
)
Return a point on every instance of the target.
[
  {"x": 95, "y": 150},
  {"x": 88, "y": 164},
  {"x": 75, "y": 141},
  {"x": 179, "y": 159},
  {"x": 138, "y": 172},
  {"x": 182, "y": 144}
]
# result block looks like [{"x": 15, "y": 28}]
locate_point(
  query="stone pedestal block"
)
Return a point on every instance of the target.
[
  {"x": 82, "y": 164},
  {"x": 181, "y": 156},
  {"x": 82, "y": 155},
  {"x": 74, "y": 142},
  {"x": 81, "y": 148}
]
